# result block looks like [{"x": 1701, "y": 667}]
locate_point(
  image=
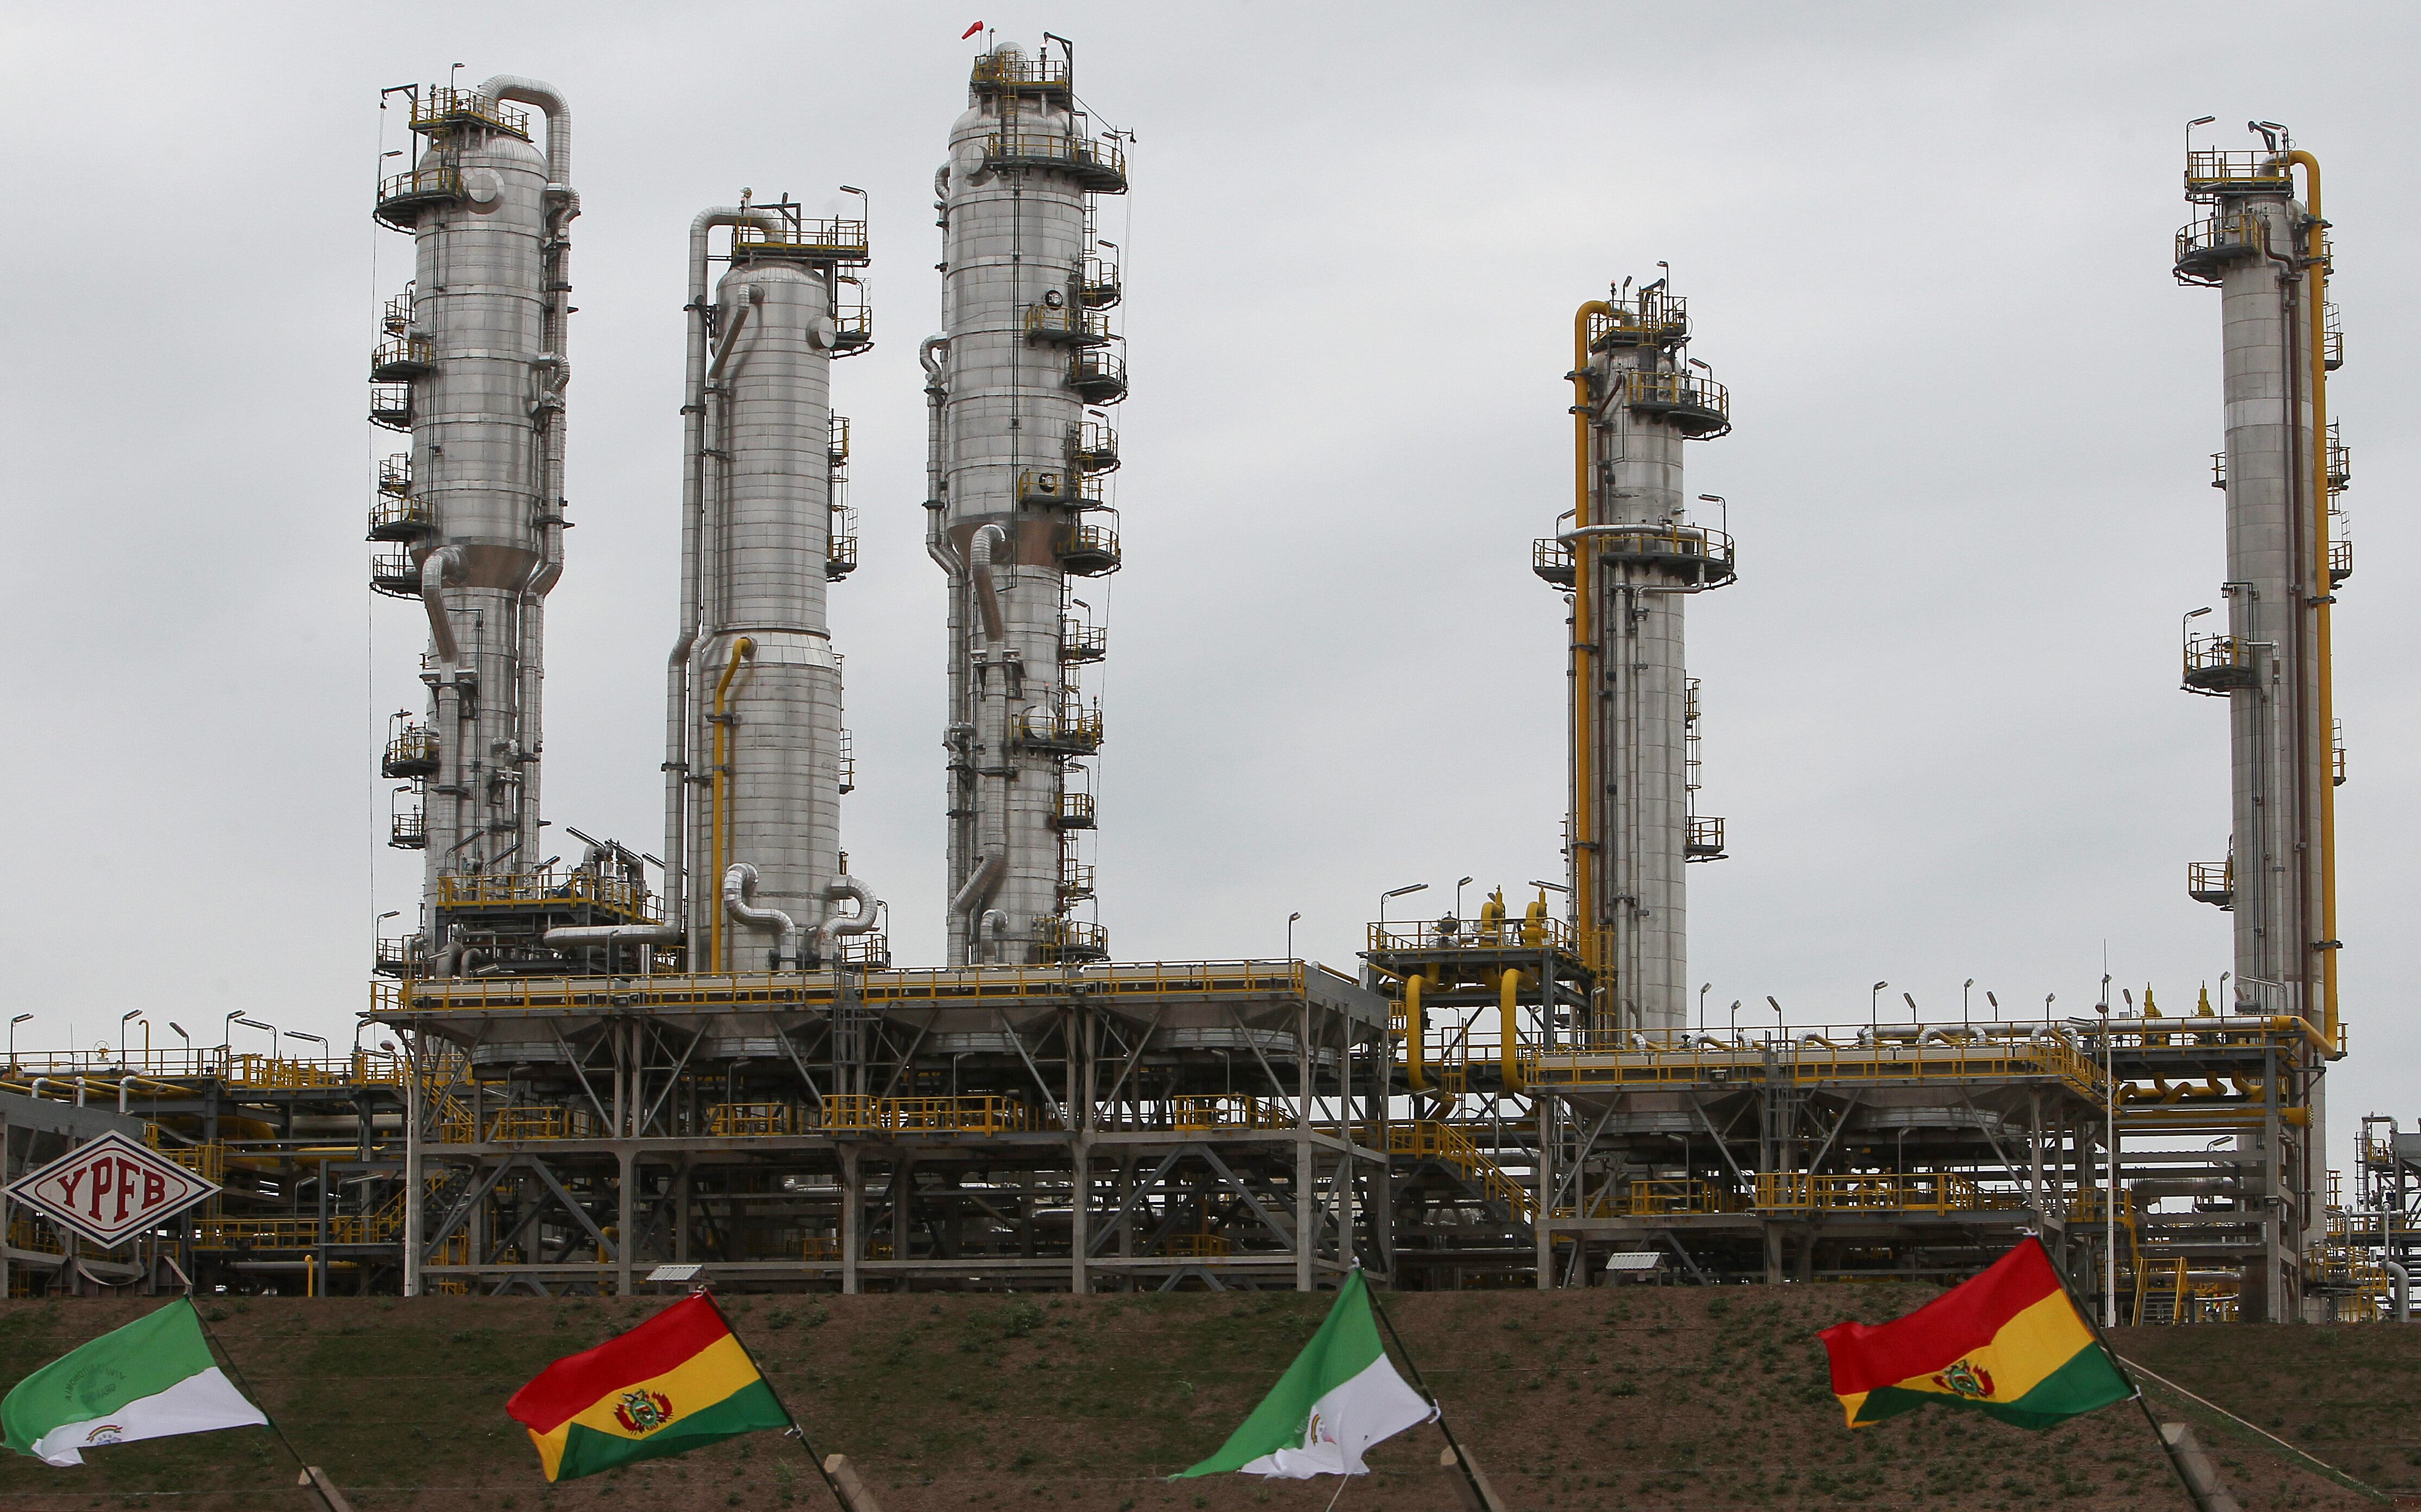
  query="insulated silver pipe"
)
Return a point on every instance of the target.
[{"x": 738, "y": 888}]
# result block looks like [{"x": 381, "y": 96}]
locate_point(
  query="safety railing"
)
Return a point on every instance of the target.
[
  {"x": 1063, "y": 490},
  {"x": 155, "y": 1074},
  {"x": 2332, "y": 338},
  {"x": 2219, "y": 470},
  {"x": 1097, "y": 374},
  {"x": 853, "y": 325},
  {"x": 399, "y": 517},
  {"x": 1447, "y": 1144},
  {"x": 440, "y": 106},
  {"x": 1909, "y": 1053},
  {"x": 1076, "y": 812},
  {"x": 391, "y": 406},
  {"x": 1070, "y": 725},
  {"x": 2217, "y": 663},
  {"x": 2206, "y": 246},
  {"x": 930, "y": 1115},
  {"x": 1931, "y": 1192},
  {"x": 2212, "y": 881},
  {"x": 25, "y": 1234},
  {"x": 1656, "y": 1196},
  {"x": 411, "y": 751},
  {"x": 735, "y": 1120},
  {"x": 1699, "y": 405},
  {"x": 541, "y": 889},
  {"x": 2340, "y": 560},
  {"x": 1706, "y": 840},
  {"x": 1081, "y": 641},
  {"x": 1688, "y": 544},
  {"x": 401, "y": 357},
  {"x": 1088, "y": 549},
  {"x": 837, "y": 240},
  {"x": 2212, "y": 171},
  {"x": 1657, "y": 320},
  {"x": 1064, "y": 321},
  {"x": 407, "y": 821},
  {"x": 999, "y": 68},
  {"x": 395, "y": 473},
  {"x": 1506, "y": 933},
  {"x": 401, "y": 195},
  {"x": 1093, "y": 446},
  {"x": 1197, "y": 1246},
  {"x": 1099, "y": 284},
  {"x": 1071, "y": 940},
  {"x": 1230, "y": 1111},
  {"x": 2340, "y": 460},
  {"x": 209, "y": 1162},
  {"x": 840, "y": 545},
  {"x": 912, "y": 988},
  {"x": 296, "y": 1233},
  {"x": 1097, "y": 162}
]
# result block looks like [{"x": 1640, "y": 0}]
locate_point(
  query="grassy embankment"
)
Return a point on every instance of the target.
[{"x": 1678, "y": 1398}]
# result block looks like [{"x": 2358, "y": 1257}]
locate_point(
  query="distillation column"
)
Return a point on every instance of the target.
[
  {"x": 2267, "y": 254},
  {"x": 754, "y": 768},
  {"x": 474, "y": 367},
  {"x": 1015, "y": 503},
  {"x": 1630, "y": 555}
]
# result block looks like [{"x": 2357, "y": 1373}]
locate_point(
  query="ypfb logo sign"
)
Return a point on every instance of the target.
[{"x": 110, "y": 1190}]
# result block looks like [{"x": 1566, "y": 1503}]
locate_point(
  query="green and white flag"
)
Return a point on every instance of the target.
[
  {"x": 150, "y": 1379},
  {"x": 1338, "y": 1398}
]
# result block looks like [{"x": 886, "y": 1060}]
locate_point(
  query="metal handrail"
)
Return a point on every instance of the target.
[
  {"x": 1071, "y": 321},
  {"x": 1101, "y": 154},
  {"x": 442, "y": 105},
  {"x": 1677, "y": 389},
  {"x": 2224, "y": 231},
  {"x": 490, "y": 889},
  {"x": 2214, "y": 651},
  {"x": 839, "y": 238},
  {"x": 1512, "y": 933},
  {"x": 2211, "y": 170},
  {"x": 998, "y": 66}
]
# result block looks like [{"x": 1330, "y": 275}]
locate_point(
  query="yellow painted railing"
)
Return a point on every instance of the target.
[
  {"x": 942, "y": 1116},
  {"x": 1231, "y": 1111},
  {"x": 1429, "y": 1139},
  {"x": 1933, "y": 1191},
  {"x": 727, "y": 1120}
]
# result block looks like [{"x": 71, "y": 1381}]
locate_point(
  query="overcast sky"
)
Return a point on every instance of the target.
[{"x": 1926, "y": 245}]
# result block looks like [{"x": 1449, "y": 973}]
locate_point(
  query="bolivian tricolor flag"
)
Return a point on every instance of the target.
[
  {"x": 2009, "y": 1343},
  {"x": 677, "y": 1382}
]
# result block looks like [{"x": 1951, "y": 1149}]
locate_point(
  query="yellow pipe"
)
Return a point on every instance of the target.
[
  {"x": 742, "y": 650},
  {"x": 2318, "y": 319},
  {"x": 1584, "y": 818},
  {"x": 1415, "y": 1074},
  {"x": 1508, "y": 1058}
]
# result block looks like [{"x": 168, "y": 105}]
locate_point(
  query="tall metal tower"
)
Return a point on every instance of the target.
[
  {"x": 1630, "y": 553},
  {"x": 472, "y": 364},
  {"x": 1016, "y": 510},
  {"x": 2267, "y": 254},
  {"x": 755, "y": 764}
]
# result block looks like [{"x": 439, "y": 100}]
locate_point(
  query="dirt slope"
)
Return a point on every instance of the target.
[{"x": 1680, "y": 1397}]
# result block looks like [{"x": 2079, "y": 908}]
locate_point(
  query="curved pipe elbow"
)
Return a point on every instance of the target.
[
  {"x": 548, "y": 99},
  {"x": 723, "y": 349},
  {"x": 928, "y": 356},
  {"x": 988, "y": 540},
  {"x": 977, "y": 890},
  {"x": 838, "y": 925},
  {"x": 434, "y": 569},
  {"x": 558, "y": 110},
  {"x": 1509, "y": 1051},
  {"x": 738, "y": 889}
]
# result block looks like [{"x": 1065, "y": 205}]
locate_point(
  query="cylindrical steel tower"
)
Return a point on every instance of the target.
[
  {"x": 1630, "y": 554},
  {"x": 2268, "y": 255},
  {"x": 473, "y": 365},
  {"x": 1015, "y": 505},
  {"x": 754, "y": 768}
]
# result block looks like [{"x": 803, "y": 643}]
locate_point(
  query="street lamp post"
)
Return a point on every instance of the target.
[
  {"x": 1777, "y": 1016},
  {"x": 1911, "y": 1007},
  {"x": 1966, "y": 995},
  {"x": 21, "y": 1018},
  {"x": 123, "y": 1020},
  {"x": 1401, "y": 892},
  {"x": 1875, "y": 1008},
  {"x": 256, "y": 1023},
  {"x": 1458, "y": 895},
  {"x": 297, "y": 1034},
  {"x": 1704, "y": 988},
  {"x": 1291, "y": 923},
  {"x": 2110, "y": 1151}
]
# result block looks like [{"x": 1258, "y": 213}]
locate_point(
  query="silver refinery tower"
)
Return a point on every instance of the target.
[
  {"x": 2268, "y": 255},
  {"x": 1629, "y": 553},
  {"x": 1015, "y": 505},
  {"x": 755, "y": 764},
  {"x": 473, "y": 365}
]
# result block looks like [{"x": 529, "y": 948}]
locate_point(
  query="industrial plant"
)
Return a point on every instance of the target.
[{"x": 584, "y": 1061}]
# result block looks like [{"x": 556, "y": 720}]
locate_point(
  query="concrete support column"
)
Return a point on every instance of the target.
[
  {"x": 626, "y": 1160},
  {"x": 852, "y": 1205}
]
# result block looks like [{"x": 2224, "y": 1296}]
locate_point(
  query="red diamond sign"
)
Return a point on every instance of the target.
[{"x": 110, "y": 1189}]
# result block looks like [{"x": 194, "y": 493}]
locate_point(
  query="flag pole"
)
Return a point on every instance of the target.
[
  {"x": 242, "y": 1385},
  {"x": 796, "y": 1431},
  {"x": 1462, "y": 1461},
  {"x": 2193, "y": 1495}
]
